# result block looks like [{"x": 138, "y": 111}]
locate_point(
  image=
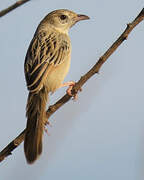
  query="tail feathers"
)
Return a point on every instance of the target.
[{"x": 36, "y": 106}]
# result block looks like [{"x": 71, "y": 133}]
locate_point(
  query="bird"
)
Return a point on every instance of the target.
[{"x": 47, "y": 62}]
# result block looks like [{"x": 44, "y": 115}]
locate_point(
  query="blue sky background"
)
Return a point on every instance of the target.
[{"x": 101, "y": 136}]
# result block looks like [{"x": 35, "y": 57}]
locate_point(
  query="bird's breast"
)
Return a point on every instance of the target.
[{"x": 57, "y": 74}]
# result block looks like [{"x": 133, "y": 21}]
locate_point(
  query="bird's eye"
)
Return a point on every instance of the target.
[{"x": 63, "y": 17}]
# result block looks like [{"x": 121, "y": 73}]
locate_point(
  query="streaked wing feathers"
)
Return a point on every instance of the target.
[{"x": 44, "y": 53}]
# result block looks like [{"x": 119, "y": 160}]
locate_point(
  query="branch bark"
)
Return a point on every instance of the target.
[
  {"x": 12, "y": 7},
  {"x": 95, "y": 69}
]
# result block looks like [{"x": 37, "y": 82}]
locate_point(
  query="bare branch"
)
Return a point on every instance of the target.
[
  {"x": 95, "y": 69},
  {"x": 11, "y": 146},
  {"x": 12, "y": 7}
]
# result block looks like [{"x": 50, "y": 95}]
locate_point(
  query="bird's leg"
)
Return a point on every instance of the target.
[{"x": 70, "y": 84}]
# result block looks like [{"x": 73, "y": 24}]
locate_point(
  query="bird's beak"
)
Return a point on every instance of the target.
[{"x": 81, "y": 17}]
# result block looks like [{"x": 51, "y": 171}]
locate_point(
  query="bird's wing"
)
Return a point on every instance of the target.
[{"x": 44, "y": 53}]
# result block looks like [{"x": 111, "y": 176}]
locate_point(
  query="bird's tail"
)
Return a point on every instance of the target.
[{"x": 35, "y": 112}]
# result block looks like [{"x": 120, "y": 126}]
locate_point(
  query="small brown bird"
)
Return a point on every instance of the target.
[{"x": 46, "y": 64}]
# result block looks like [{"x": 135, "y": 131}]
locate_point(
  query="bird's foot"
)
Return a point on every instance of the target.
[{"x": 70, "y": 84}]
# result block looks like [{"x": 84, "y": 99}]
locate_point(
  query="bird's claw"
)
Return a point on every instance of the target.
[{"x": 75, "y": 96}]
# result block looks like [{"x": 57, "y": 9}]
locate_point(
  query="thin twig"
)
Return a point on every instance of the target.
[
  {"x": 12, "y": 7},
  {"x": 95, "y": 69}
]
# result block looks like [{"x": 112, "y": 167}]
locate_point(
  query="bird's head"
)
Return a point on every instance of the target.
[{"x": 63, "y": 19}]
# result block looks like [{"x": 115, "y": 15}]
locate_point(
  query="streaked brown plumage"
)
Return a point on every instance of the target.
[{"x": 46, "y": 64}]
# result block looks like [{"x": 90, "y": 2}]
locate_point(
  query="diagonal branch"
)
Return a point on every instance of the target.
[
  {"x": 12, "y": 7},
  {"x": 95, "y": 69}
]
